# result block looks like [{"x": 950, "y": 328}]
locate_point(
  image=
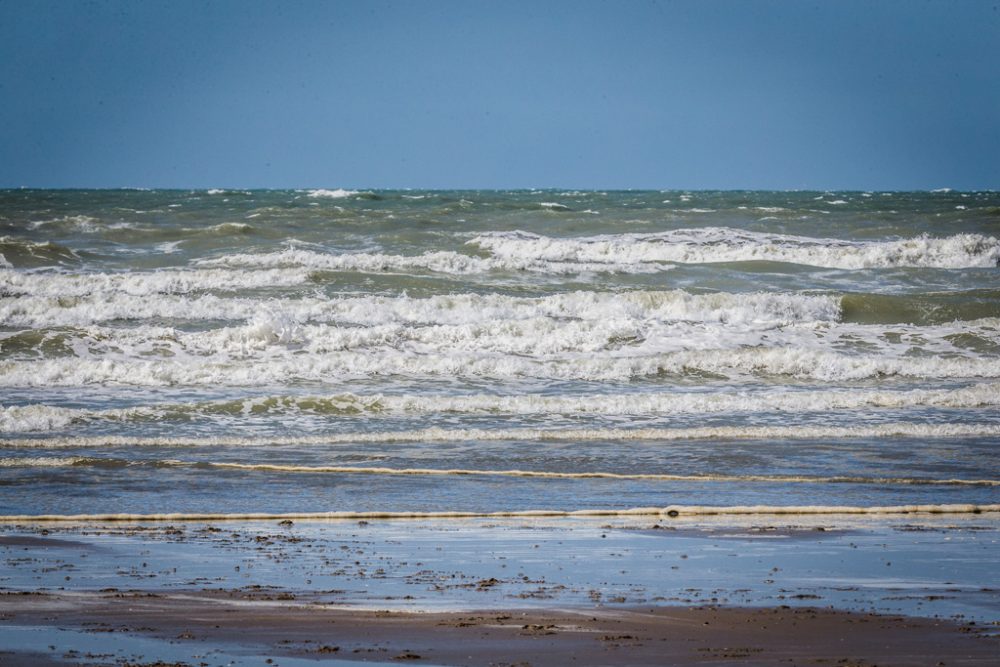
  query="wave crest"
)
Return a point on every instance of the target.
[{"x": 720, "y": 244}]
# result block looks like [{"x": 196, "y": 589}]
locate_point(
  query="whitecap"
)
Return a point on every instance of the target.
[
  {"x": 720, "y": 244},
  {"x": 42, "y": 418},
  {"x": 339, "y": 193}
]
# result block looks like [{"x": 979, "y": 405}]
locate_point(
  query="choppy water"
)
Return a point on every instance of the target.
[{"x": 411, "y": 351}]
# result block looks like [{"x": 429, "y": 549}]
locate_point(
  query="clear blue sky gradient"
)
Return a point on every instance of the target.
[{"x": 468, "y": 94}]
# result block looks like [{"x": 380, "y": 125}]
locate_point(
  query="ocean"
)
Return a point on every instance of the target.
[{"x": 299, "y": 352}]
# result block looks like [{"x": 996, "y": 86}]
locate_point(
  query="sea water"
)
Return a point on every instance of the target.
[{"x": 230, "y": 352}]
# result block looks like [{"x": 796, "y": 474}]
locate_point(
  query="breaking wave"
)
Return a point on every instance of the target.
[
  {"x": 752, "y": 310},
  {"x": 443, "y": 261},
  {"x": 271, "y": 349},
  {"x": 721, "y": 244},
  {"x": 143, "y": 283},
  {"x": 40, "y": 418}
]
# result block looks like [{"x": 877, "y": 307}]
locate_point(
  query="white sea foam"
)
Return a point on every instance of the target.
[
  {"x": 720, "y": 244},
  {"x": 756, "y": 310},
  {"x": 444, "y": 261},
  {"x": 41, "y": 418},
  {"x": 243, "y": 356},
  {"x": 39, "y": 462},
  {"x": 439, "y": 435},
  {"x": 270, "y": 326},
  {"x": 141, "y": 283},
  {"x": 22, "y": 419},
  {"x": 276, "y": 344},
  {"x": 339, "y": 193},
  {"x": 38, "y": 417},
  {"x": 647, "y": 403}
]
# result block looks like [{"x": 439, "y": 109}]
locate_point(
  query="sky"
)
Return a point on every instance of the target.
[{"x": 503, "y": 94}]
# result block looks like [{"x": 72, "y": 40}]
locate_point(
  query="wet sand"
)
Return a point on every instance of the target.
[{"x": 635, "y": 636}]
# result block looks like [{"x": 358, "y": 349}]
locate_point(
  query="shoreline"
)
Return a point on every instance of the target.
[
  {"x": 671, "y": 511},
  {"x": 181, "y": 629},
  {"x": 849, "y": 591}
]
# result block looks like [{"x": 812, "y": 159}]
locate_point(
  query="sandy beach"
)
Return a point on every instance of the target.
[
  {"x": 215, "y": 629},
  {"x": 516, "y": 592}
]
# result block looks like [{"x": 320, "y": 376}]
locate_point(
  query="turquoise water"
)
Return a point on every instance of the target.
[{"x": 234, "y": 351}]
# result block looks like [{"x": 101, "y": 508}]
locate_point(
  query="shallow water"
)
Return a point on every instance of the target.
[
  {"x": 248, "y": 351},
  {"x": 921, "y": 566}
]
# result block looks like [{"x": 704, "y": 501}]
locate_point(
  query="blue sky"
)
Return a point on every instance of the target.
[{"x": 433, "y": 94}]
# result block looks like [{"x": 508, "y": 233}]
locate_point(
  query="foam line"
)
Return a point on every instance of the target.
[
  {"x": 492, "y": 435},
  {"x": 471, "y": 472},
  {"x": 793, "y": 479},
  {"x": 670, "y": 511}
]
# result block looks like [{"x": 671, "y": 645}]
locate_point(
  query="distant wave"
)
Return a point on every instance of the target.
[{"x": 339, "y": 193}]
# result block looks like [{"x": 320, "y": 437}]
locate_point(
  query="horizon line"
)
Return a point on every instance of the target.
[{"x": 363, "y": 189}]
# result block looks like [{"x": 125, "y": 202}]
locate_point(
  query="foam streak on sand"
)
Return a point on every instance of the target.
[
  {"x": 430, "y": 435},
  {"x": 671, "y": 511},
  {"x": 608, "y": 475}
]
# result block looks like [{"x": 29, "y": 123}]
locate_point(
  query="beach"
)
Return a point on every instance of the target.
[{"x": 907, "y": 591}]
